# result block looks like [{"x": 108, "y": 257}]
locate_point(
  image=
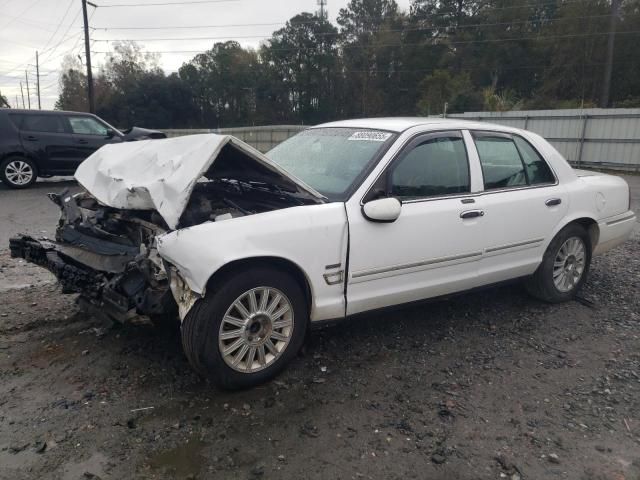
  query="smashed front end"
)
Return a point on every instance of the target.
[
  {"x": 105, "y": 246},
  {"x": 106, "y": 255}
]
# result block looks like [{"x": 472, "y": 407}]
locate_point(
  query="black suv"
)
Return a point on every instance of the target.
[{"x": 41, "y": 143}]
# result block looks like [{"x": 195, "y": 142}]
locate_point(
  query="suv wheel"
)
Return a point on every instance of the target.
[
  {"x": 246, "y": 331},
  {"x": 18, "y": 172}
]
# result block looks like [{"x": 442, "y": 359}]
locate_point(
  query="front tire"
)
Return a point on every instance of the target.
[
  {"x": 247, "y": 328},
  {"x": 564, "y": 267},
  {"x": 18, "y": 172}
]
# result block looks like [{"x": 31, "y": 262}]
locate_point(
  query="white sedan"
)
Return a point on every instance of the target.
[{"x": 344, "y": 218}]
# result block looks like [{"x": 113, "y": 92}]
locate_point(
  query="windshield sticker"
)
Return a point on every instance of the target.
[{"x": 370, "y": 136}]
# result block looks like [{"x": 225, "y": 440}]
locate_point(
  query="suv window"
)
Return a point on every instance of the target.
[
  {"x": 87, "y": 126},
  {"x": 537, "y": 169},
  {"x": 42, "y": 123},
  {"x": 438, "y": 166}
]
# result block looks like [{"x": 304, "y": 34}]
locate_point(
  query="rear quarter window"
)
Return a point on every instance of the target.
[{"x": 537, "y": 168}]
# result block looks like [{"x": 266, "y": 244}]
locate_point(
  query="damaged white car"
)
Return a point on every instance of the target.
[{"x": 343, "y": 218}]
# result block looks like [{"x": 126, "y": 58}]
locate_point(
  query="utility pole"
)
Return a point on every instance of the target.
[
  {"x": 87, "y": 52},
  {"x": 322, "y": 3},
  {"x": 608, "y": 68},
  {"x": 17, "y": 102},
  {"x": 22, "y": 93},
  {"x": 26, "y": 77},
  {"x": 38, "y": 79}
]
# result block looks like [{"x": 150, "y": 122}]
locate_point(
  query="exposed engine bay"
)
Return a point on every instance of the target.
[{"x": 108, "y": 255}]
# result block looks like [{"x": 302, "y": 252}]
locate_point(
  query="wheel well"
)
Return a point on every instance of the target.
[
  {"x": 277, "y": 263},
  {"x": 591, "y": 226}
]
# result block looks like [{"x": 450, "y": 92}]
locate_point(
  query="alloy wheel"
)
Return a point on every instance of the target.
[
  {"x": 18, "y": 172},
  {"x": 569, "y": 264},
  {"x": 256, "y": 329}
]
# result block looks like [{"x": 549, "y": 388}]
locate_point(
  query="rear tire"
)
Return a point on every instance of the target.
[
  {"x": 18, "y": 172},
  {"x": 564, "y": 267},
  {"x": 247, "y": 328}
]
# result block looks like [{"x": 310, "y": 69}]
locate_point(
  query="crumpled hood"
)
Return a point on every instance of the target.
[{"x": 161, "y": 174}]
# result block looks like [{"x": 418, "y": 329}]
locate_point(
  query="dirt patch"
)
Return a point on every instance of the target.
[{"x": 488, "y": 385}]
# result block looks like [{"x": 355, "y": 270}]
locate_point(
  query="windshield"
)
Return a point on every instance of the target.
[{"x": 330, "y": 160}]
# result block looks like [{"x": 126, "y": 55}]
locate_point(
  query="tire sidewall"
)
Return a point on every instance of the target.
[
  {"x": 5, "y": 180},
  {"x": 208, "y": 317},
  {"x": 551, "y": 254}
]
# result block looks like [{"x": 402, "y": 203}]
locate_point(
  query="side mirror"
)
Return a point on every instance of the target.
[
  {"x": 384, "y": 210},
  {"x": 110, "y": 133}
]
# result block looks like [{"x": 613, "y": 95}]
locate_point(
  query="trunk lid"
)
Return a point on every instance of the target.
[{"x": 162, "y": 174}]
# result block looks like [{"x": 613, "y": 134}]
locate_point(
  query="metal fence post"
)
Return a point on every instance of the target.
[
  {"x": 526, "y": 121},
  {"x": 582, "y": 138}
]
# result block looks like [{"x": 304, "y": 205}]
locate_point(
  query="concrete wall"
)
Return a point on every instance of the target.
[{"x": 261, "y": 138}]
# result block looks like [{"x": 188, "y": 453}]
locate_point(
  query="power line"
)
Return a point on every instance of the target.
[
  {"x": 324, "y": 34},
  {"x": 19, "y": 65},
  {"x": 232, "y": 25},
  {"x": 159, "y": 4},
  {"x": 280, "y": 24},
  {"x": 461, "y": 42},
  {"x": 64, "y": 15},
  {"x": 64, "y": 37},
  {"x": 33, "y": 4}
]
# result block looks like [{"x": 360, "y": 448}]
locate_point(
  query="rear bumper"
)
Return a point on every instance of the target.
[
  {"x": 120, "y": 295},
  {"x": 615, "y": 231}
]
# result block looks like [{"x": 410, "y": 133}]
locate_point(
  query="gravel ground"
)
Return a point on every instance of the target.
[{"x": 487, "y": 385}]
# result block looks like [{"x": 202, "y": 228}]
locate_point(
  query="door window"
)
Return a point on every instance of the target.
[
  {"x": 42, "y": 123},
  {"x": 501, "y": 163},
  {"x": 436, "y": 167},
  {"x": 87, "y": 126},
  {"x": 510, "y": 161}
]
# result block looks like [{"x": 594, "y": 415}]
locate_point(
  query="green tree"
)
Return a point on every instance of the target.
[
  {"x": 371, "y": 41},
  {"x": 304, "y": 57},
  {"x": 4, "y": 103},
  {"x": 73, "y": 87},
  {"x": 441, "y": 87},
  {"x": 223, "y": 82},
  {"x": 574, "y": 48}
]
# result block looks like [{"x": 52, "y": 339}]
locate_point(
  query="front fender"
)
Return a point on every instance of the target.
[{"x": 312, "y": 237}]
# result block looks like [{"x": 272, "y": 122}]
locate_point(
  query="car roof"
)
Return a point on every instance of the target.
[{"x": 400, "y": 124}]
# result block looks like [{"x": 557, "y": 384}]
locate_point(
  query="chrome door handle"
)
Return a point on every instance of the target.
[
  {"x": 471, "y": 214},
  {"x": 552, "y": 202}
]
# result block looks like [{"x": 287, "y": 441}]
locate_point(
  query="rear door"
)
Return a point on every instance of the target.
[
  {"x": 46, "y": 139},
  {"x": 89, "y": 134},
  {"x": 522, "y": 201}
]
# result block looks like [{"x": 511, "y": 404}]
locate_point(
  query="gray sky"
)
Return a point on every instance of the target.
[{"x": 54, "y": 27}]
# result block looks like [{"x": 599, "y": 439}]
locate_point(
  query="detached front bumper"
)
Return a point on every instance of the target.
[
  {"x": 117, "y": 286},
  {"x": 73, "y": 277}
]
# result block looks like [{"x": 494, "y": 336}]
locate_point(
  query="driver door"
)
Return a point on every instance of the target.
[
  {"x": 88, "y": 135},
  {"x": 434, "y": 247}
]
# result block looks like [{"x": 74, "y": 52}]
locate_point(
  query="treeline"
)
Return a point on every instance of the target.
[{"x": 460, "y": 55}]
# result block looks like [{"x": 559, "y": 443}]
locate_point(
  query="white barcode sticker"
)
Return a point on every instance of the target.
[{"x": 370, "y": 136}]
